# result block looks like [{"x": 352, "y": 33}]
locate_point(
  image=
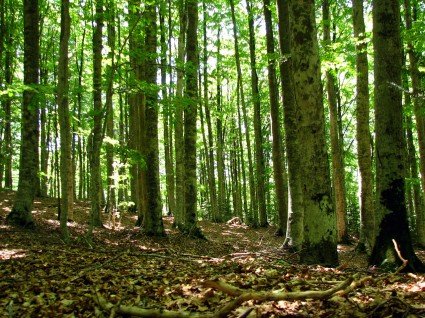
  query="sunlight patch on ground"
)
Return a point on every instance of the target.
[
  {"x": 5, "y": 227},
  {"x": 11, "y": 253}
]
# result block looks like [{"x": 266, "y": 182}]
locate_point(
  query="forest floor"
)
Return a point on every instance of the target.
[{"x": 229, "y": 274}]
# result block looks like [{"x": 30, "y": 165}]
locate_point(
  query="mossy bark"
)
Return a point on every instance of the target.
[
  {"x": 319, "y": 243},
  {"x": 390, "y": 143},
  {"x": 28, "y": 161}
]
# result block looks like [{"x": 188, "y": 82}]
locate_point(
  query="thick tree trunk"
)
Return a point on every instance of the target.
[
  {"x": 28, "y": 161},
  {"x": 390, "y": 171},
  {"x": 363, "y": 136},
  {"x": 66, "y": 171},
  {"x": 294, "y": 232},
  {"x": 319, "y": 244}
]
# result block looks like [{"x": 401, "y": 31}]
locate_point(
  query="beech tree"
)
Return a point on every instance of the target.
[
  {"x": 28, "y": 161},
  {"x": 393, "y": 228},
  {"x": 319, "y": 241}
]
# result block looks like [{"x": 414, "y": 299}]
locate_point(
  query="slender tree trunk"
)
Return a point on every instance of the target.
[
  {"x": 166, "y": 114},
  {"x": 390, "y": 171},
  {"x": 363, "y": 136},
  {"x": 152, "y": 220},
  {"x": 7, "y": 104},
  {"x": 418, "y": 105},
  {"x": 319, "y": 244},
  {"x": 338, "y": 175},
  {"x": 210, "y": 146},
  {"x": 96, "y": 134},
  {"x": 222, "y": 202},
  {"x": 110, "y": 195},
  {"x": 294, "y": 232},
  {"x": 190, "y": 115},
  {"x": 28, "y": 161},
  {"x": 277, "y": 150},
  {"x": 178, "y": 128},
  {"x": 66, "y": 171}
]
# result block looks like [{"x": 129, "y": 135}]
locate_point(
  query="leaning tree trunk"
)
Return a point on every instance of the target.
[
  {"x": 363, "y": 136},
  {"x": 28, "y": 161},
  {"x": 319, "y": 244},
  {"x": 390, "y": 171}
]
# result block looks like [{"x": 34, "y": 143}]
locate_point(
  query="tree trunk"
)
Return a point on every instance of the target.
[
  {"x": 67, "y": 182},
  {"x": 319, "y": 244},
  {"x": 28, "y": 161},
  {"x": 277, "y": 151},
  {"x": 178, "y": 128},
  {"x": 418, "y": 105},
  {"x": 222, "y": 202},
  {"x": 390, "y": 171},
  {"x": 96, "y": 134},
  {"x": 338, "y": 174},
  {"x": 167, "y": 117},
  {"x": 152, "y": 220},
  {"x": 110, "y": 73},
  {"x": 210, "y": 146},
  {"x": 363, "y": 136},
  {"x": 190, "y": 111},
  {"x": 294, "y": 232}
]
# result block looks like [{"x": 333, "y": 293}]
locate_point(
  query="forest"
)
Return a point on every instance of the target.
[{"x": 212, "y": 158}]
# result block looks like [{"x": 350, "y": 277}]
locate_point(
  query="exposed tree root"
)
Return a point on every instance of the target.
[{"x": 240, "y": 294}]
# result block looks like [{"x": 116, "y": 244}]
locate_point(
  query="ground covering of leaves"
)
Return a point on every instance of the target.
[{"x": 40, "y": 276}]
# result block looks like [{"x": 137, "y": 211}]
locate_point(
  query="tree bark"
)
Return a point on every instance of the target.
[
  {"x": 190, "y": 116},
  {"x": 96, "y": 133},
  {"x": 338, "y": 173},
  {"x": 294, "y": 231},
  {"x": 363, "y": 136},
  {"x": 67, "y": 182},
  {"x": 152, "y": 221},
  {"x": 28, "y": 161},
  {"x": 319, "y": 244},
  {"x": 390, "y": 170},
  {"x": 418, "y": 104}
]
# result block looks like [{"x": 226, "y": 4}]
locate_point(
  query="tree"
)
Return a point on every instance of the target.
[
  {"x": 367, "y": 216},
  {"x": 338, "y": 173},
  {"x": 390, "y": 171},
  {"x": 260, "y": 198},
  {"x": 28, "y": 161},
  {"x": 278, "y": 153},
  {"x": 190, "y": 116},
  {"x": 152, "y": 220},
  {"x": 418, "y": 104},
  {"x": 294, "y": 232},
  {"x": 67, "y": 182},
  {"x": 319, "y": 243},
  {"x": 96, "y": 134}
]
